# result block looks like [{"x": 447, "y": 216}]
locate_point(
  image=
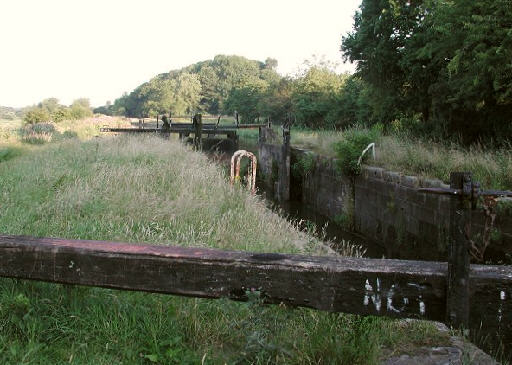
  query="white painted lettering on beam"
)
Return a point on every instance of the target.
[
  {"x": 370, "y": 294},
  {"x": 390, "y": 307},
  {"x": 422, "y": 306},
  {"x": 503, "y": 296},
  {"x": 376, "y": 295}
]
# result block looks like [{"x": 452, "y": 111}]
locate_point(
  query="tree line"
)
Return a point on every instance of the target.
[
  {"x": 436, "y": 68},
  {"x": 49, "y": 110},
  {"x": 317, "y": 98},
  {"x": 9, "y": 113}
]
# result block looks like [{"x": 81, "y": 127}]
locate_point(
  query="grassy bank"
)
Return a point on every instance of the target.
[
  {"x": 492, "y": 167},
  {"x": 144, "y": 189}
]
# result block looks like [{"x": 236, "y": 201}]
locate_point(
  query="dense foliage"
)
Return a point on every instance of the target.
[
  {"x": 224, "y": 84},
  {"x": 319, "y": 97},
  {"x": 444, "y": 64}
]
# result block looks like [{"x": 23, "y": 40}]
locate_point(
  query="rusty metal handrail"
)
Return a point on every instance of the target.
[{"x": 251, "y": 173}]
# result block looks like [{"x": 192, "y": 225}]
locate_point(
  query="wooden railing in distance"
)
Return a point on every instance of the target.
[{"x": 397, "y": 288}]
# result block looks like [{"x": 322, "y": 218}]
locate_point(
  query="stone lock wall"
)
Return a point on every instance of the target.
[
  {"x": 386, "y": 207},
  {"x": 323, "y": 188},
  {"x": 390, "y": 209}
]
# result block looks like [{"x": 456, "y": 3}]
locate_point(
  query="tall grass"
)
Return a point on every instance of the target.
[
  {"x": 8, "y": 131},
  {"x": 37, "y": 133},
  {"x": 10, "y": 152},
  {"x": 492, "y": 167},
  {"x": 146, "y": 189},
  {"x": 137, "y": 189}
]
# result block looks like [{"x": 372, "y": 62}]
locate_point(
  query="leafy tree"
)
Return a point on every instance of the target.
[
  {"x": 271, "y": 63},
  {"x": 8, "y": 113},
  {"x": 187, "y": 94},
  {"x": 377, "y": 45},
  {"x": 209, "y": 98},
  {"x": 119, "y": 106},
  {"x": 203, "y": 86},
  {"x": 470, "y": 45},
  {"x": 276, "y": 102},
  {"x": 314, "y": 95},
  {"x": 350, "y": 105},
  {"x": 58, "y": 112},
  {"x": 107, "y": 109},
  {"x": 80, "y": 108},
  {"x": 104, "y": 109},
  {"x": 51, "y": 105},
  {"x": 246, "y": 99},
  {"x": 448, "y": 61}
]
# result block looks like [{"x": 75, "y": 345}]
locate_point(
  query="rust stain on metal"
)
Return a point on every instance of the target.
[{"x": 251, "y": 172}]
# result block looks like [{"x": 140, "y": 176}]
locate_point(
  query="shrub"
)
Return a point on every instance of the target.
[
  {"x": 304, "y": 166},
  {"x": 80, "y": 109},
  {"x": 61, "y": 114},
  {"x": 36, "y": 115},
  {"x": 349, "y": 149}
]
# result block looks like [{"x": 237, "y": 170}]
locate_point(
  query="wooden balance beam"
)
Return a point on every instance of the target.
[{"x": 396, "y": 288}]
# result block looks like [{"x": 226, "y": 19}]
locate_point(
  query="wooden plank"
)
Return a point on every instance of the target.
[
  {"x": 490, "y": 303},
  {"x": 457, "y": 310},
  {"x": 397, "y": 288},
  {"x": 171, "y": 130},
  {"x": 186, "y": 127}
]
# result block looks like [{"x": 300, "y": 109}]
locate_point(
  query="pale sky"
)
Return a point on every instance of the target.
[{"x": 101, "y": 48}]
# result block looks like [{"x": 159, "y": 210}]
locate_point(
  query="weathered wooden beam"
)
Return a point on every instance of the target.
[
  {"x": 226, "y": 132},
  {"x": 396, "y": 288},
  {"x": 457, "y": 305},
  {"x": 177, "y": 128}
]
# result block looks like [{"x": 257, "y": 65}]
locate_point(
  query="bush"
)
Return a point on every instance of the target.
[
  {"x": 80, "y": 109},
  {"x": 36, "y": 115},
  {"x": 61, "y": 114},
  {"x": 304, "y": 166},
  {"x": 349, "y": 149}
]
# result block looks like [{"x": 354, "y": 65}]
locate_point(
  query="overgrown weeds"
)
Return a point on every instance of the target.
[
  {"x": 399, "y": 151},
  {"x": 491, "y": 167},
  {"x": 37, "y": 133},
  {"x": 304, "y": 165},
  {"x": 350, "y": 149}
]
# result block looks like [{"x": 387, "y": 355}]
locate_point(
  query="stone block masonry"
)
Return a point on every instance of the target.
[{"x": 386, "y": 207}]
